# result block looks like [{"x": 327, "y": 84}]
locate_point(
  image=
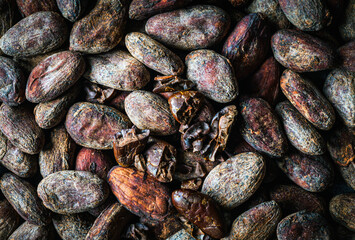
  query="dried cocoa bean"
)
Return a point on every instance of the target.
[
  {"x": 73, "y": 226},
  {"x": 9, "y": 219},
  {"x": 342, "y": 209}
]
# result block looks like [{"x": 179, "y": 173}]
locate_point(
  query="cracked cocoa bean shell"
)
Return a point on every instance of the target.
[
  {"x": 68, "y": 192},
  {"x": 342, "y": 210},
  {"x": 23, "y": 198}
]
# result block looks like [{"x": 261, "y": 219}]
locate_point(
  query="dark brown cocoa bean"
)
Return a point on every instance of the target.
[
  {"x": 95, "y": 161},
  {"x": 261, "y": 128},
  {"x": 238, "y": 3},
  {"x": 73, "y": 226},
  {"x": 292, "y": 199},
  {"x": 339, "y": 88},
  {"x": 347, "y": 56},
  {"x": 299, "y": 131},
  {"x": 307, "y": 15},
  {"x": 340, "y": 146},
  {"x": 20, "y": 163},
  {"x": 9, "y": 219},
  {"x": 36, "y": 34},
  {"x": 141, "y": 9},
  {"x": 53, "y": 76},
  {"x": 181, "y": 235},
  {"x": 201, "y": 210},
  {"x": 272, "y": 10},
  {"x": 213, "y": 75},
  {"x": 110, "y": 224},
  {"x": 306, "y": 98},
  {"x": 153, "y": 54},
  {"x": 142, "y": 195},
  {"x": 28, "y": 7},
  {"x": 117, "y": 70},
  {"x": 257, "y": 223},
  {"x": 72, "y": 9},
  {"x": 196, "y": 27},
  {"x": 346, "y": 29},
  {"x": 247, "y": 46},
  {"x": 50, "y": 114},
  {"x": 19, "y": 126},
  {"x": 23, "y": 198},
  {"x": 93, "y": 125},
  {"x": 342, "y": 209},
  {"x": 28, "y": 231},
  {"x": 147, "y": 110},
  {"x": 302, "y": 52},
  {"x": 102, "y": 29},
  {"x": 3, "y": 145},
  {"x": 96, "y": 93},
  {"x": 348, "y": 174},
  {"x": 7, "y": 16},
  {"x": 312, "y": 173},
  {"x": 12, "y": 82},
  {"x": 303, "y": 225},
  {"x": 234, "y": 181},
  {"x": 58, "y": 152}
]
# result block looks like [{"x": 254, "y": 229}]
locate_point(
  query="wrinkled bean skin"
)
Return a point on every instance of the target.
[
  {"x": 339, "y": 88},
  {"x": 28, "y": 7},
  {"x": 192, "y": 28},
  {"x": 50, "y": 114},
  {"x": 117, "y": 70},
  {"x": 232, "y": 182},
  {"x": 22, "y": 164},
  {"x": 28, "y": 231},
  {"x": 213, "y": 75},
  {"x": 303, "y": 225},
  {"x": 9, "y": 219},
  {"x": 181, "y": 235},
  {"x": 292, "y": 199},
  {"x": 12, "y": 82},
  {"x": 299, "y": 131},
  {"x": 312, "y": 173},
  {"x": 73, "y": 226},
  {"x": 141, "y": 9},
  {"x": 36, "y": 34},
  {"x": 201, "y": 210},
  {"x": 58, "y": 152},
  {"x": 101, "y": 30},
  {"x": 247, "y": 46},
  {"x": 307, "y": 99},
  {"x": 67, "y": 192},
  {"x": 147, "y": 110},
  {"x": 257, "y": 223},
  {"x": 301, "y": 52},
  {"x": 340, "y": 146},
  {"x": 153, "y": 54},
  {"x": 347, "y": 56},
  {"x": 53, "y": 76},
  {"x": 261, "y": 128},
  {"x": 140, "y": 194},
  {"x": 94, "y": 125},
  {"x": 342, "y": 209},
  {"x": 23, "y": 198},
  {"x": 309, "y": 15},
  {"x": 72, "y": 9},
  {"x": 19, "y": 126}
]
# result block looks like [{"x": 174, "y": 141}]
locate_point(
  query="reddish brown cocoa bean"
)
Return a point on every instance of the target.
[
  {"x": 30, "y": 231},
  {"x": 148, "y": 110},
  {"x": 312, "y": 173},
  {"x": 73, "y": 226},
  {"x": 306, "y": 98},
  {"x": 67, "y": 192},
  {"x": 196, "y": 27},
  {"x": 117, "y": 70},
  {"x": 342, "y": 209},
  {"x": 301, "y": 52},
  {"x": 58, "y": 152},
  {"x": 36, "y": 34},
  {"x": 72, "y": 9},
  {"x": 28, "y": 7},
  {"x": 95, "y": 161},
  {"x": 238, "y": 3},
  {"x": 19, "y": 126},
  {"x": 53, "y": 76},
  {"x": 213, "y": 75},
  {"x": 9, "y": 219},
  {"x": 94, "y": 125},
  {"x": 247, "y": 46},
  {"x": 141, "y": 9},
  {"x": 261, "y": 128},
  {"x": 102, "y": 29},
  {"x": 142, "y": 195},
  {"x": 299, "y": 131},
  {"x": 153, "y": 54},
  {"x": 23, "y": 198},
  {"x": 12, "y": 82},
  {"x": 347, "y": 56}
]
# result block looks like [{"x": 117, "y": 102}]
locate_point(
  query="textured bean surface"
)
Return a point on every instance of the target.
[
  {"x": 68, "y": 192},
  {"x": 73, "y": 226},
  {"x": 347, "y": 55},
  {"x": 342, "y": 209},
  {"x": 232, "y": 182},
  {"x": 340, "y": 146},
  {"x": 71, "y": 9},
  {"x": 28, "y": 231},
  {"x": 9, "y": 219}
]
